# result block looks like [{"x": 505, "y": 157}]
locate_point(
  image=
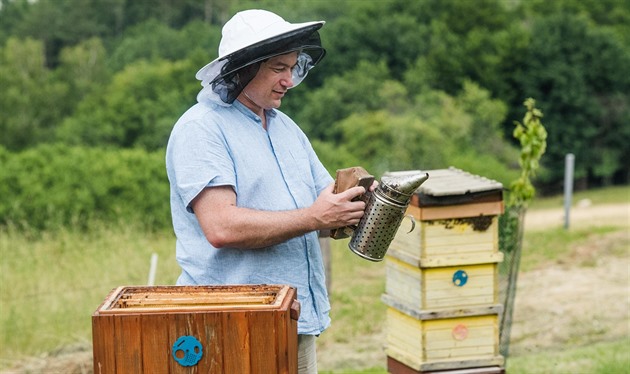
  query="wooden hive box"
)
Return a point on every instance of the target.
[
  {"x": 453, "y": 339},
  {"x": 438, "y": 288},
  {"x": 197, "y": 329},
  {"x": 456, "y": 219}
]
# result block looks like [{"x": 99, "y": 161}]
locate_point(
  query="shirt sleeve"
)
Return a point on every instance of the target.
[{"x": 199, "y": 157}]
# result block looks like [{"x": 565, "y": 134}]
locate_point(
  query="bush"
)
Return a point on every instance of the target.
[{"x": 51, "y": 186}]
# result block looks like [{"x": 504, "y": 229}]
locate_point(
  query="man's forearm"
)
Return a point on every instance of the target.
[
  {"x": 250, "y": 229},
  {"x": 227, "y": 225}
]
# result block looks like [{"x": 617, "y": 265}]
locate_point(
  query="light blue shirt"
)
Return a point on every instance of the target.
[{"x": 273, "y": 170}]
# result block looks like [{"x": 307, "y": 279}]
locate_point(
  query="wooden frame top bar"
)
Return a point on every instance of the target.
[{"x": 158, "y": 299}]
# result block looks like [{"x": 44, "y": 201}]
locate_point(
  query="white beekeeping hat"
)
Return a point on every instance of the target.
[{"x": 255, "y": 35}]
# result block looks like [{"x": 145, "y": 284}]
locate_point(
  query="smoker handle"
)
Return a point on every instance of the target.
[
  {"x": 346, "y": 179},
  {"x": 413, "y": 222}
]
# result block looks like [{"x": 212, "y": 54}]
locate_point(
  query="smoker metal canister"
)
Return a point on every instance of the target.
[{"x": 383, "y": 214}]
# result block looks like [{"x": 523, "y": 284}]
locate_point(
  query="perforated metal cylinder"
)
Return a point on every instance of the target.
[
  {"x": 383, "y": 213},
  {"x": 377, "y": 227}
]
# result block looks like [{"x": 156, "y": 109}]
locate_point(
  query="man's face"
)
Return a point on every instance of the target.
[{"x": 271, "y": 82}]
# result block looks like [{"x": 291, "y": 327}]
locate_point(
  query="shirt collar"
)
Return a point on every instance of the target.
[{"x": 246, "y": 111}]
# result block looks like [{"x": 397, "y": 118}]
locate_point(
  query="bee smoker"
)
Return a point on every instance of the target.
[{"x": 384, "y": 212}]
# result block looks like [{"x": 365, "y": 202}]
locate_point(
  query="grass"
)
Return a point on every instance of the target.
[
  {"x": 51, "y": 283},
  {"x": 597, "y": 358},
  {"x": 545, "y": 247},
  {"x": 609, "y": 195},
  {"x": 356, "y": 283}
]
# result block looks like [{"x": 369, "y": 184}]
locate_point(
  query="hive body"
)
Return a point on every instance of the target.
[
  {"x": 197, "y": 329},
  {"x": 442, "y": 278}
]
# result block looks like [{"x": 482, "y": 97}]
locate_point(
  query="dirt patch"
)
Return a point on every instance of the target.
[
  {"x": 75, "y": 359},
  {"x": 565, "y": 304}
]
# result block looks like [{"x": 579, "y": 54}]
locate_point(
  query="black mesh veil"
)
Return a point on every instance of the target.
[{"x": 242, "y": 65}]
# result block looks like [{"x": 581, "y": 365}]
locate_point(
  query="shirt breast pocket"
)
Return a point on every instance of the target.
[{"x": 300, "y": 170}]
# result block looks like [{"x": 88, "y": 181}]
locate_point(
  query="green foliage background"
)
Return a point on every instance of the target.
[
  {"x": 52, "y": 186},
  {"x": 91, "y": 89}
]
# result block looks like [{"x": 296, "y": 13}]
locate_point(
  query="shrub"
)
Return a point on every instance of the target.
[{"x": 51, "y": 186}]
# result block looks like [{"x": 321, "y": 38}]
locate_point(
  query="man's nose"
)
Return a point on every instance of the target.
[{"x": 287, "y": 79}]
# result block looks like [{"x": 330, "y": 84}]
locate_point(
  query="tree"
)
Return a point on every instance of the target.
[
  {"x": 355, "y": 91},
  {"x": 581, "y": 74},
  {"x": 59, "y": 24},
  {"x": 12, "y": 13},
  {"x": 153, "y": 40},
  {"x": 83, "y": 68},
  {"x": 396, "y": 39},
  {"x": 384, "y": 141},
  {"x": 31, "y": 99},
  {"x": 487, "y": 114},
  {"x": 137, "y": 109}
]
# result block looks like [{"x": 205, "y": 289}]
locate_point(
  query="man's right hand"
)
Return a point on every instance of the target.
[{"x": 333, "y": 210}]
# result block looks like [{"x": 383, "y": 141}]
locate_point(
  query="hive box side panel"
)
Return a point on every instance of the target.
[
  {"x": 445, "y": 241},
  {"x": 469, "y": 338},
  {"x": 287, "y": 343},
  {"x": 460, "y": 233},
  {"x": 448, "y": 242},
  {"x": 156, "y": 349},
  {"x": 263, "y": 343},
  {"x": 438, "y": 288},
  {"x": 409, "y": 243},
  {"x": 403, "y": 282},
  {"x": 404, "y": 338},
  {"x": 128, "y": 347},
  {"x": 442, "y": 343},
  {"x": 103, "y": 343},
  {"x": 492, "y": 208},
  {"x": 212, "y": 333},
  {"x": 207, "y": 328},
  {"x": 292, "y": 340},
  {"x": 442, "y": 290},
  {"x": 282, "y": 328},
  {"x": 236, "y": 343}
]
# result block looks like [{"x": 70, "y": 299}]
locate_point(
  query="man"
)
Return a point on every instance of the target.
[{"x": 248, "y": 193}]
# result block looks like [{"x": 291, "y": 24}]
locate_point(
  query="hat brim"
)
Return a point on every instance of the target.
[{"x": 256, "y": 51}]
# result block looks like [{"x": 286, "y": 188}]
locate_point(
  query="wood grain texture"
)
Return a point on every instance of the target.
[{"x": 243, "y": 337}]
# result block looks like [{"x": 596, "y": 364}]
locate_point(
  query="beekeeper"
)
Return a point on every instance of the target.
[{"x": 248, "y": 193}]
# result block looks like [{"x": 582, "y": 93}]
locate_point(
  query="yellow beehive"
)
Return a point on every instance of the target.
[
  {"x": 468, "y": 340},
  {"x": 442, "y": 287},
  {"x": 456, "y": 219},
  {"x": 442, "y": 277},
  {"x": 452, "y": 241}
]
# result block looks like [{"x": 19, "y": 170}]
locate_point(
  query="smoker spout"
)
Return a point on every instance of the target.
[{"x": 399, "y": 186}]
